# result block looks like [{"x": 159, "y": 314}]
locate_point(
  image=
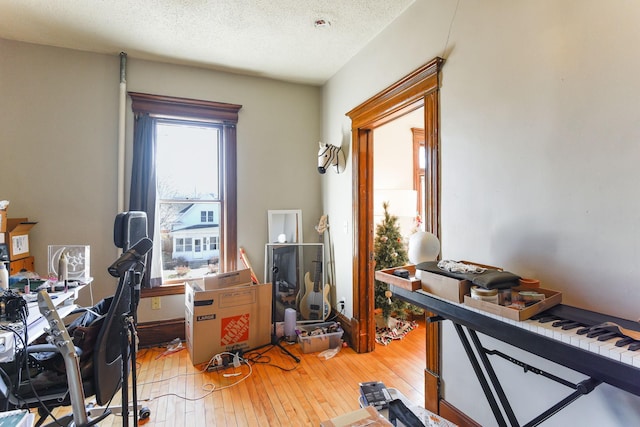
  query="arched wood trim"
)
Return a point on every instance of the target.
[
  {"x": 160, "y": 105},
  {"x": 418, "y": 89}
]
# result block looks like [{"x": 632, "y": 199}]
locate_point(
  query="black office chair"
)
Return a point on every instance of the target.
[
  {"x": 42, "y": 382},
  {"x": 45, "y": 384}
]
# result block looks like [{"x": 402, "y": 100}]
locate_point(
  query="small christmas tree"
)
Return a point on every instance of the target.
[{"x": 389, "y": 252}]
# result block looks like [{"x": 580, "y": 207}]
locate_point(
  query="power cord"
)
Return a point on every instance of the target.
[
  {"x": 234, "y": 360},
  {"x": 260, "y": 358}
]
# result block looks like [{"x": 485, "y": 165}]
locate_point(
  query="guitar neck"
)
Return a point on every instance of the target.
[
  {"x": 60, "y": 337},
  {"x": 322, "y": 226},
  {"x": 317, "y": 278}
]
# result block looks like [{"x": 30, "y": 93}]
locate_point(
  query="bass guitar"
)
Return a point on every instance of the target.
[{"x": 314, "y": 304}]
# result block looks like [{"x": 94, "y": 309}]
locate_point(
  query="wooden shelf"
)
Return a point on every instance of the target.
[{"x": 410, "y": 284}]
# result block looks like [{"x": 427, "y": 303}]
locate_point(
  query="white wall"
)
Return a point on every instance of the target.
[
  {"x": 58, "y": 145},
  {"x": 540, "y": 123},
  {"x": 58, "y": 133}
]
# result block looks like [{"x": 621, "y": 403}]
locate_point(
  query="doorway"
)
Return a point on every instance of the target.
[{"x": 420, "y": 89}]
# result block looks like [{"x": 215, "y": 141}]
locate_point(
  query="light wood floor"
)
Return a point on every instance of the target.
[{"x": 278, "y": 391}]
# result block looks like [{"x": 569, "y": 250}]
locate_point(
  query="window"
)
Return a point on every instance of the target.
[
  {"x": 212, "y": 242},
  {"x": 189, "y": 197},
  {"x": 206, "y": 216},
  {"x": 419, "y": 161},
  {"x": 195, "y": 185}
]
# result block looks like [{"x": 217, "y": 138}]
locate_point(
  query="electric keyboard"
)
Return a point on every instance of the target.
[
  {"x": 566, "y": 335},
  {"x": 590, "y": 331}
]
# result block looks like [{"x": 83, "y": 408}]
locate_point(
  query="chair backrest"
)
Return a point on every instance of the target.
[
  {"x": 107, "y": 357},
  {"x": 129, "y": 228}
]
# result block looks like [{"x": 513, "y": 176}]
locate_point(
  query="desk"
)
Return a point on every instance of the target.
[
  {"x": 36, "y": 324},
  {"x": 64, "y": 303}
]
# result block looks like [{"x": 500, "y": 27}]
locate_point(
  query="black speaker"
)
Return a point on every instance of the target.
[{"x": 129, "y": 228}]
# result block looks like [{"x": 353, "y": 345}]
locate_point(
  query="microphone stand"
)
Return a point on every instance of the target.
[
  {"x": 129, "y": 345},
  {"x": 275, "y": 341}
]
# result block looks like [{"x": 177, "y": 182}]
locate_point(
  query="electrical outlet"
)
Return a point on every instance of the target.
[
  {"x": 155, "y": 303},
  {"x": 342, "y": 302}
]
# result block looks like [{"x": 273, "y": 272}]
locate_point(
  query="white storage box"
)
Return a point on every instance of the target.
[{"x": 320, "y": 337}]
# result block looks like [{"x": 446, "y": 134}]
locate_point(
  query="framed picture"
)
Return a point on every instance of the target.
[{"x": 285, "y": 226}]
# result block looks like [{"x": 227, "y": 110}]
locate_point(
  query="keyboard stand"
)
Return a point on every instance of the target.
[{"x": 582, "y": 388}]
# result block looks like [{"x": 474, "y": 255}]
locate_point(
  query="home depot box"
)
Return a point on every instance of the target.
[
  {"x": 223, "y": 280},
  {"x": 218, "y": 320},
  {"x": 17, "y": 237}
]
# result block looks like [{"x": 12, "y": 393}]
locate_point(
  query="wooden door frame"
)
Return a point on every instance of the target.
[{"x": 418, "y": 89}]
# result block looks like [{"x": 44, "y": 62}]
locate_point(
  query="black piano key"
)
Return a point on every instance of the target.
[
  {"x": 635, "y": 346},
  {"x": 537, "y": 316},
  {"x": 608, "y": 336},
  {"x": 624, "y": 341},
  {"x": 571, "y": 325},
  {"x": 583, "y": 331},
  {"x": 547, "y": 319},
  {"x": 596, "y": 332},
  {"x": 561, "y": 322}
]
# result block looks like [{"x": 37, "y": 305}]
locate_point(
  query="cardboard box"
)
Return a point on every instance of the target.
[
  {"x": 445, "y": 287},
  {"x": 3, "y": 220},
  {"x": 411, "y": 284},
  {"x": 367, "y": 416},
  {"x": 218, "y": 320},
  {"x": 17, "y": 237},
  {"x": 225, "y": 280},
  {"x": 551, "y": 298}
]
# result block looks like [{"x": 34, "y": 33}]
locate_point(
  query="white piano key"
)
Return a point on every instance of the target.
[
  {"x": 622, "y": 354},
  {"x": 627, "y": 357},
  {"x": 616, "y": 353},
  {"x": 603, "y": 347},
  {"x": 566, "y": 337},
  {"x": 635, "y": 361},
  {"x": 545, "y": 329},
  {"x": 557, "y": 334},
  {"x": 610, "y": 345},
  {"x": 582, "y": 341},
  {"x": 530, "y": 325}
]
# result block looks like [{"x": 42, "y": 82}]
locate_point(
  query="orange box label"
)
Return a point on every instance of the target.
[{"x": 234, "y": 329}]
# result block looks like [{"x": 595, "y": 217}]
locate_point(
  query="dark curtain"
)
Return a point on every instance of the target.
[{"x": 143, "y": 182}]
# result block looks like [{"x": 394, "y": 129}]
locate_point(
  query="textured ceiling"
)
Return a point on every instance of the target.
[{"x": 269, "y": 38}]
